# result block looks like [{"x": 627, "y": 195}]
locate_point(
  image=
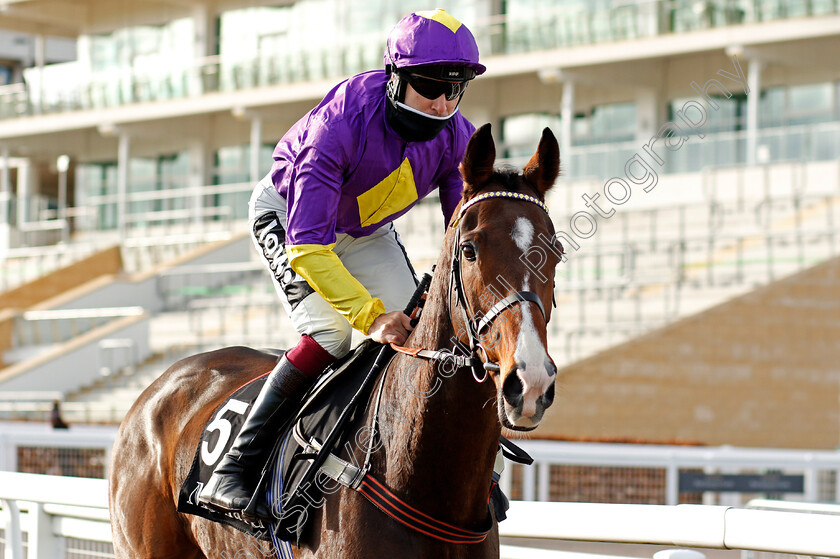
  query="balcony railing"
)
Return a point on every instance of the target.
[{"x": 72, "y": 87}]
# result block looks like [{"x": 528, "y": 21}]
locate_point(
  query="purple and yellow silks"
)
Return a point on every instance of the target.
[{"x": 342, "y": 169}]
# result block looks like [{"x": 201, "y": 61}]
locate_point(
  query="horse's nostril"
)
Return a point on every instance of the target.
[
  {"x": 512, "y": 388},
  {"x": 548, "y": 397}
]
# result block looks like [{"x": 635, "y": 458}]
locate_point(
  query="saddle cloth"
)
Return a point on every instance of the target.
[{"x": 278, "y": 480}]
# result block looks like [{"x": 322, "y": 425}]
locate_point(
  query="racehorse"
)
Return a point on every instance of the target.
[{"x": 491, "y": 293}]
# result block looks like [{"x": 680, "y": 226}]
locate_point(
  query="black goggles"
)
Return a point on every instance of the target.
[{"x": 432, "y": 89}]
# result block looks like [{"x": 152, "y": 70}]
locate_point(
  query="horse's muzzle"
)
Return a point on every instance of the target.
[{"x": 524, "y": 398}]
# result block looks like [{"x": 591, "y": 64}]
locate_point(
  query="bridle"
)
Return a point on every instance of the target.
[{"x": 476, "y": 323}]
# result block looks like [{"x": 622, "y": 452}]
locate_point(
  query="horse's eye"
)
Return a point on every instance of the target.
[{"x": 468, "y": 250}]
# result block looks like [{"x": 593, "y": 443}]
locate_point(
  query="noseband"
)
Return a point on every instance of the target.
[{"x": 476, "y": 323}]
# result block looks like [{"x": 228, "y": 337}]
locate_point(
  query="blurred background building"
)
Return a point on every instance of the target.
[{"x": 703, "y": 310}]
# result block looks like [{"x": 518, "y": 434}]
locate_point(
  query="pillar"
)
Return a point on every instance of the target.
[
  {"x": 5, "y": 187},
  {"x": 24, "y": 179},
  {"x": 201, "y": 162},
  {"x": 123, "y": 161},
  {"x": 5, "y": 204},
  {"x": 205, "y": 44},
  {"x": 62, "y": 165},
  {"x": 567, "y": 116},
  {"x": 754, "y": 84},
  {"x": 40, "y": 51},
  {"x": 256, "y": 143},
  {"x": 650, "y": 114}
]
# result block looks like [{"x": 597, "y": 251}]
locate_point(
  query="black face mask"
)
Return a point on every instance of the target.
[{"x": 414, "y": 126}]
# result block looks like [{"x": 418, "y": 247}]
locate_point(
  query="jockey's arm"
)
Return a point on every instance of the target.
[
  {"x": 324, "y": 271},
  {"x": 310, "y": 239}
]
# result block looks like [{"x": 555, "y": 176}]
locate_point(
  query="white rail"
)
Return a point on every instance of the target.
[
  {"x": 812, "y": 464},
  {"x": 59, "y": 507},
  {"x": 716, "y": 527}
]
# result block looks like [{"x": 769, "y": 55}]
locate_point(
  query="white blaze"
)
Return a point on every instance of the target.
[
  {"x": 530, "y": 353},
  {"x": 522, "y": 233},
  {"x": 531, "y": 356}
]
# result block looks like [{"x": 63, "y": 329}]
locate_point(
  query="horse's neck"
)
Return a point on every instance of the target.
[{"x": 441, "y": 430}]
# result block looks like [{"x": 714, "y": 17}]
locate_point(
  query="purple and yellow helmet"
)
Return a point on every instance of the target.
[
  {"x": 431, "y": 45},
  {"x": 433, "y": 39}
]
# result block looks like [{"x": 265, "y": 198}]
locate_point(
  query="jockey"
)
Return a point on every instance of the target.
[{"x": 322, "y": 218}]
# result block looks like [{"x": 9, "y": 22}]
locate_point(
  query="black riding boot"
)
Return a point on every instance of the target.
[{"x": 280, "y": 395}]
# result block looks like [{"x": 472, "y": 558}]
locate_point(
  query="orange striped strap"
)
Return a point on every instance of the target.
[{"x": 407, "y": 515}]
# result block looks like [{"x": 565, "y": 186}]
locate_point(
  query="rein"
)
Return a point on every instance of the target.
[{"x": 476, "y": 322}]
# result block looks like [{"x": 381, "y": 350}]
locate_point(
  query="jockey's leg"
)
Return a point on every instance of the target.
[
  {"x": 326, "y": 335},
  {"x": 227, "y": 488}
]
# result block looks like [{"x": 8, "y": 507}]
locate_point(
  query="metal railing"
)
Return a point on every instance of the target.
[
  {"x": 17, "y": 435},
  {"x": 22, "y": 265},
  {"x": 179, "y": 286},
  {"x": 66, "y": 349},
  {"x": 818, "y": 468},
  {"x": 174, "y": 210}
]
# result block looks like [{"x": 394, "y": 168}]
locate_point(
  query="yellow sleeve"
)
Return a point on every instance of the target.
[{"x": 322, "y": 268}]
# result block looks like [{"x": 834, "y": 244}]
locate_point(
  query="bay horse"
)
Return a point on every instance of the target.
[{"x": 492, "y": 292}]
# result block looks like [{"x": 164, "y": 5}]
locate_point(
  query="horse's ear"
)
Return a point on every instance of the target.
[
  {"x": 477, "y": 166},
  {"x": 544, "y": 167}
]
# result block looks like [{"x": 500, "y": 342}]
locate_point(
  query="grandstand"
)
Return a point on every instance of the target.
[{"x": 700, "y": 144}]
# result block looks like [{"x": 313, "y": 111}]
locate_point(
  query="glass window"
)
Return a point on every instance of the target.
[
  {"x": 800, "y": 104},
  {"x": 157, "y": 46},
  {"x": 233, "y": 163},
  {"x": 730, "y": 116},
  {"x": 771, "y": 107},
  {"x": 314, "y": 39},
  {"x": 545, "y": 24},
  {"x": 93, "y": 180},
  {"x": 605, "y": 124},
  {"x": 688, "y": 15},
  {"x": 520, "y": 131},
  {"x": 141, "y": 63},
  {"x": 811, "y": 103}
]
